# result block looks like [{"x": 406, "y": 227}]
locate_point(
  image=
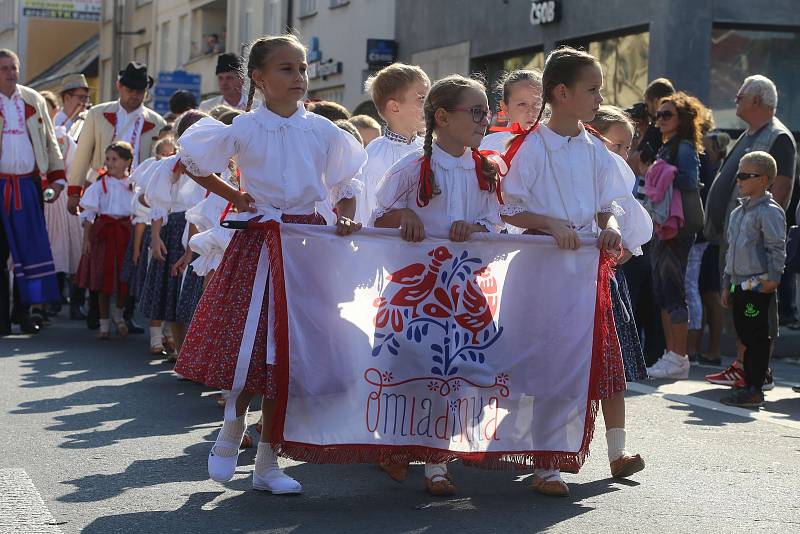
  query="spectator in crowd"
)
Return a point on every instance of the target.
[
  {"x": 74, "y": 99},
  {"x": 681, "y": 118},
  {"x": 230, "y": 82},
  {"x": 182, "y": 101},
  {"x": 367, "y": 127},
  {"x": 330, "y": 110},
  {"x": 756, "y": 102},
  {"x": 350, "y": 128},
  {"x": 753, "y": 268},
  {"x": 213, "y": 45}
]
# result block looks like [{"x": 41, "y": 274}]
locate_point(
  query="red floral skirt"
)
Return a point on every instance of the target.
[
  {"x": 211, "y": 348},
  {"x": 101, "y": 269}
]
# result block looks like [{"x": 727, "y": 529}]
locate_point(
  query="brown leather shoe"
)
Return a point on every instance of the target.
[
  {"x": 554, "y": 487},
  {"x": 440, "y": 485},
  {"x": 396, "y": 471},
  {"x": 626, "y": 465}
]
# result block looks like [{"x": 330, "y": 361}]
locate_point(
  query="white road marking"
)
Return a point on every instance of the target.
[{"x": 22, "y": 509}]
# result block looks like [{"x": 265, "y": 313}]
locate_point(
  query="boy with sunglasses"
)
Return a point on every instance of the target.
[{"x": 753, "y": 269}]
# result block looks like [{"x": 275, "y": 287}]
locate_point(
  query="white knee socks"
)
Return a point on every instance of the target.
[
  {"x": 266, "y": 458},
  {"x": 615, "y": 437},
  {"x": 231, "y": 432}
]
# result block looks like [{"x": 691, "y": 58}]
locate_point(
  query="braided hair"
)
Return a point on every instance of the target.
[
  {"x": 446, "y": 94},
  {"x": 260, "y": 50}
]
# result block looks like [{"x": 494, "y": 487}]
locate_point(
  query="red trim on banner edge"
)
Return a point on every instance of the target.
[{"x": 569, "y": 462}]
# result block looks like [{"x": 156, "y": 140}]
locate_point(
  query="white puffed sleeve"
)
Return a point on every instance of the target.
[
  {"x": 397, "y": 189},
  {"x": 206, "y": 214},
  {"x": 207, "y": 146},
  {"x": 210, "y": 246},
  {"x": 636, "y": 225},
  {"x": 611, "y": 184},
  {"x": 489, "y": 217},
  {"x": 519, "y": 182},
  {"x": 345, "y": 159},
  {"x": 90, "y": 202},
  {"x": 158, "y": 193}
]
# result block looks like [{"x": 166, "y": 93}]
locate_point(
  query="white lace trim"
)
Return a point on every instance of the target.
[
  {"x": 614, "y": 209},
  {"x": 511, "y": 209},
  {"x": 191, "y": 166},
  {"x": 491, "y": 227},
  {"x": 347, "y": 189},
  {"x": 377, "y": 214}
]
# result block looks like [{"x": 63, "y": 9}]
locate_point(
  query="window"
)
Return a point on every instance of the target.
[
  {"x": 142, "y": 53},
  {"x": 308, "y": 8},
  {"x": 183, "y": 39},
  {"x": 338, "y": 3},
  {"x": 737, "y": 54},
  {"x": 164, "y": 46},
  {"x": 624, "y": 62},
  {"x": 108, "y": 9},
  {"x": 493, "y": 68},
  {"x": 331, "y": 94},
  {"x": 246, "y": 29},
  {"x": 272, "y": 17},
  {"x": 7, "y": 14}
]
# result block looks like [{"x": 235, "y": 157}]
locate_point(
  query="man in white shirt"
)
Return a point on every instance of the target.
[
  {"x": 29, "y": 155},
  {"x": 74, "y": 97},
  {"x": 230, "y": 80}
]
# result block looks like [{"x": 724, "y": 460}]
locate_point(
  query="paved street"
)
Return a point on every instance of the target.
[{"x": 98, "y": 438}]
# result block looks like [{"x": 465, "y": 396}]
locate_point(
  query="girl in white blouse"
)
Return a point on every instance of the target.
[
  {"x": 563, "y": 182},
  {"x": 446, "y": 189},
  {"x": 289, "y": 159},
  {"x": 521, "y": 102},
  {"x": 106, "y": 214}
]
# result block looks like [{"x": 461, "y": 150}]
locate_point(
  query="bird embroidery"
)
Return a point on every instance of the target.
[{"x": 479, "y": 302}]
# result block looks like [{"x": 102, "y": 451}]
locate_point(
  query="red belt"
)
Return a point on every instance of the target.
[{"x": 12, "y": 186}]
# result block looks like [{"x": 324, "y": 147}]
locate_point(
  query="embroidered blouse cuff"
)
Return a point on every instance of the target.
[
  {"x": 511, "y": 209},
  {"x": 346, "y": 189},
  {"x": 491, "y": 226},
  {"x": 192, "y": 166},
  {"x": 614, "y": 209},
  {"x": 88, "y": 215},
  {"x": 158, "y": 213}
]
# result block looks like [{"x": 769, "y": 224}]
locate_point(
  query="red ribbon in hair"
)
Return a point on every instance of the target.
[
  {"x": 478, "y": 156},
  {"x": 425, "y": 192}
]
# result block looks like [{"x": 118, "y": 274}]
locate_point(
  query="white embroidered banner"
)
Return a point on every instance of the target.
[{"x": 436, "y": 350}]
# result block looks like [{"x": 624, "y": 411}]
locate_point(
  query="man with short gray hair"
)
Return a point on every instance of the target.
[{"x": 756, "y": 102}]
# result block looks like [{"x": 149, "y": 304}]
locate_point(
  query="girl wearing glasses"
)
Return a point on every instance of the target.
[
  {"x": 450, "y": 191},
  {"x": 564, "y": 182}
]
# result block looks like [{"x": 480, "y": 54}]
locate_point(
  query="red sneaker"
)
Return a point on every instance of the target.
[
  {"x": 728, "y": 377},
  {"x": 769, "y": 383}
]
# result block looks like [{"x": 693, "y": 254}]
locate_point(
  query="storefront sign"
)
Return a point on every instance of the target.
[
  {"x": 317, "y": 69},
  {"x": 545, "y": 12},
  {"x": 171, "y": 81},
  {"x": 51, "y": 9},
  {"x": 381, "y": 52}
]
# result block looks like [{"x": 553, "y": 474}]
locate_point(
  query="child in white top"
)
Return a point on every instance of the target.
[
  {"x": 446, "y": 189},
  {"x": 521, "y": 101},
  {"x": 289, "y": 159},
  {"x": 563, "y": 182},
  {"x": 106, "y": 210},
  {"x": 398, "y": 92}
]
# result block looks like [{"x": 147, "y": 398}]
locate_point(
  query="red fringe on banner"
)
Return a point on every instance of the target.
[{"x": 363, "y": 453}]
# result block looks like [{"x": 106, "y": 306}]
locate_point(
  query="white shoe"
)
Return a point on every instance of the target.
[
  {"x": 671, "y": 365},
  {"x": 276, "y": 482},
  {"x": 222, "y": 468}
]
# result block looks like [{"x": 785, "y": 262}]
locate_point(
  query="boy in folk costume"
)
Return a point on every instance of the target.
[
  {"x": 398, "y": 92},
  {"x": 29, "y": 154},
  {"x": 228, "y": 341},
  {"x": 106, "y": 216}
]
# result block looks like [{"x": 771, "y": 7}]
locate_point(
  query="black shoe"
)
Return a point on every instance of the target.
[
  {"x": 5, "y": 330},
  {"x": 31, "y": 325},
  {"x": 133, "y": 328},
  {"x": 93, "y": 321},
  {"x": 796, "y": 389},
  {"x": 744, "y": 398},
  {"x": 75, "y": 313}
]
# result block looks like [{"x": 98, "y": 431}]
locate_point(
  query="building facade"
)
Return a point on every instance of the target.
[
  {"x": 339, "y": 35},
  {"x": 705, "y": 47}
]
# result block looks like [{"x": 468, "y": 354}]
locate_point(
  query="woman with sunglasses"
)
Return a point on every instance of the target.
[{"x": 681, "y": 118}]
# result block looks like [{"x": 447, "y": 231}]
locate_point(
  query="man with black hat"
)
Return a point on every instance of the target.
[
  {"x": 230, "y": 80},
  {"x": 125, "y": 119}
]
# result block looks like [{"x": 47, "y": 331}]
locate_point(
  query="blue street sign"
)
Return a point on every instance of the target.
[{"x": 168, "y": 83}]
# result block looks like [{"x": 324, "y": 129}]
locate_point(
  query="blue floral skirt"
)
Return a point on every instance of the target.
[
  {"x": 191, "y": 291},
  {"x": 159, "y": 300},
  {"x": 134, "y": 275},
  {"x": 632, "y": 356}
]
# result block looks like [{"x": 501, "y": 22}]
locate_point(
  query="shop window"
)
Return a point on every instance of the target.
[
  {"x": 624, "y": 62},
  {"x": 331, "y": 94},
  {"x": 308, "y": 8},
  {"x": 739, "y": 53},
  {"x": 494, "y": 68}
]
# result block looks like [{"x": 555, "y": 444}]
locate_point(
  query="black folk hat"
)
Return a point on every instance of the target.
[
  {"x": 228, "y": 62},
  {"x": 135, "y": 76}
]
